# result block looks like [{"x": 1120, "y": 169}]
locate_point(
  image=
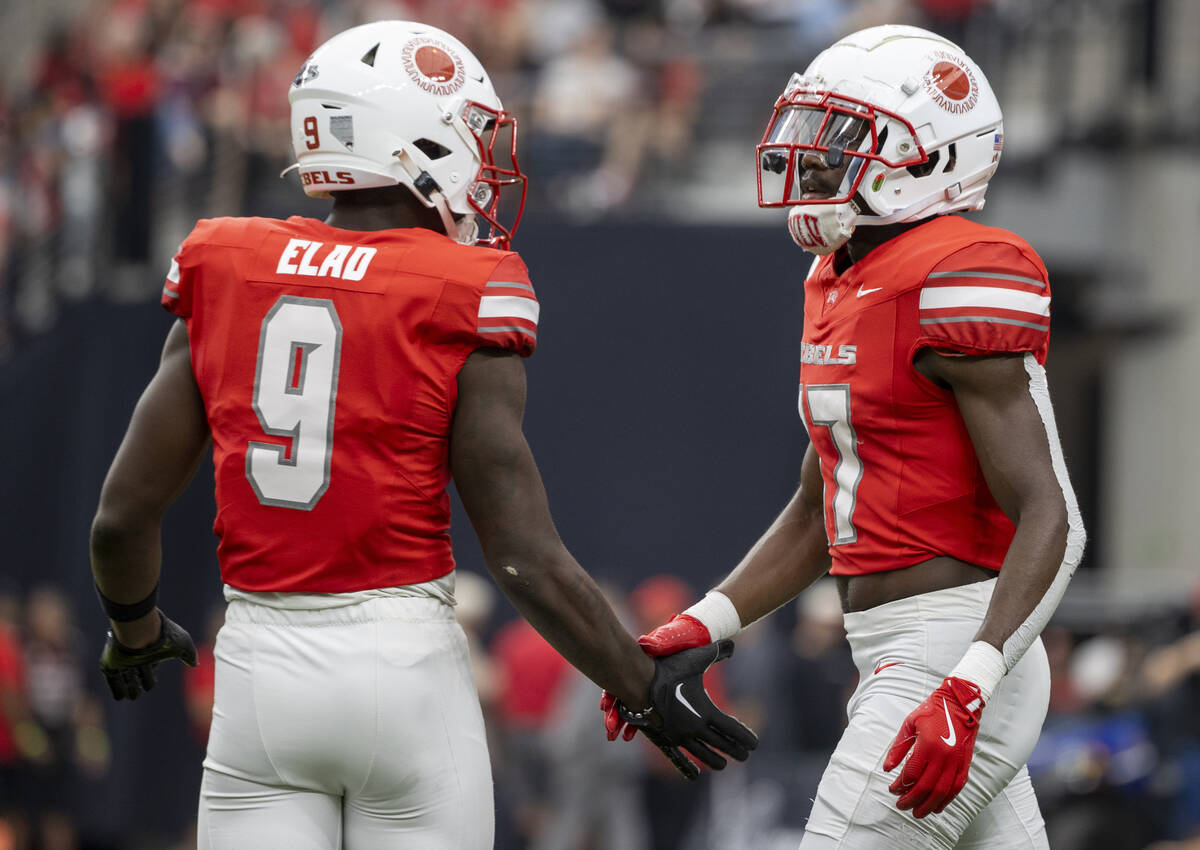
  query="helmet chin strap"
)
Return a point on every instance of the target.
[
  {"x": 466, "y": 229},
  {"x": 822, "y": 228}
]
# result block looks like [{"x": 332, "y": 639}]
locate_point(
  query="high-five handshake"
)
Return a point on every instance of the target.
[{"x": 681, "y": 715}]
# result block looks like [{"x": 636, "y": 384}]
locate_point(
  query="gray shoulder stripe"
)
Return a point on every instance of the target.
[
  {"x": 510, "y": 284},
  {"x": 169, "y": 293},
  {"x": 992, "y": 275},
  {"x": 498, "y": 329},
  {"x": 989, "y": 319}
]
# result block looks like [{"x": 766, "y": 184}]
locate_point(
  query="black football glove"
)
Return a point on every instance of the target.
[
  {"x": 129, "y": 672},
  {"x": 681, "y": 714}
]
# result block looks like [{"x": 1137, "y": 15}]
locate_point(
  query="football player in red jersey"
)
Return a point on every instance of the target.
[
  {"x": 343, "y": 370},
  {"x": 934, "y": 488}
]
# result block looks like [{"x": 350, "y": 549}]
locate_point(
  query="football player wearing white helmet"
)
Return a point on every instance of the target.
[
  {"x": 934, "y": 486},
  {"x": 342, "y": 371},
  {"x": 400, "y": 103}
]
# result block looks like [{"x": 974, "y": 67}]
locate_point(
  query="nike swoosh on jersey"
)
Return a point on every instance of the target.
[
  {"x": 887, "y": 665},
  {"x": 862, "y": 292},
  {"x": 679, "y": 696},
  {"x": 948, "y": 740}
]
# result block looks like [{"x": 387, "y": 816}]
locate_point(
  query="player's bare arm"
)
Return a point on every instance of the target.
[
  {"x": 158, "y": 456},
  {"x": 791, "y": 554},
  {"x": 502, "y": 491},
  {"x": 1011, "y": 441},
  {"x": 1005, "y": 404}
]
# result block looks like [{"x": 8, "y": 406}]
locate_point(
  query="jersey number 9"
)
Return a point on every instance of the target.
[{"x": 295, "y": 389}]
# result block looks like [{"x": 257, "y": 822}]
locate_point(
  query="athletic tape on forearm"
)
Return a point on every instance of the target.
[
  {"x": 1027, "y": 632},
  {"x": 983, "y": 666},
  {"x": 718, "y": 615}
]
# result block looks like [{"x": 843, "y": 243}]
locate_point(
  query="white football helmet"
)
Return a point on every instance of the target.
[
  {"x": 912, "y": 113},
  {"x": 399, "y": 102}
]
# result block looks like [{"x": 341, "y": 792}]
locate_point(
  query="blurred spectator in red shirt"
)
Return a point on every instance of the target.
[{"x": 529, "y": 673}]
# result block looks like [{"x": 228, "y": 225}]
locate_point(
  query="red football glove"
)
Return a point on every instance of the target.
[
  {"x": 682, "y": 631},
  {"x": 613, "y": 724},
  {"x": 941, "y": 734}
]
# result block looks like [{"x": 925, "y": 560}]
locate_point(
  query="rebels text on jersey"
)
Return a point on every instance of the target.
[
  {"x": 901, "y": 478},
  {"x": 328, "y": 363}
]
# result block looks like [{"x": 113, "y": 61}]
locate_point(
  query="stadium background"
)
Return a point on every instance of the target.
[{"x": 661, "y": 407}]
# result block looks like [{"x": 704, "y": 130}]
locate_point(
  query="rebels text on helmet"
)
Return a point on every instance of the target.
[{"x": 433, "y": 65}]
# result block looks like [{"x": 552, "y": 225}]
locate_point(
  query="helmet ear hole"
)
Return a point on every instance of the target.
[
  {"x": 951, "y": 159},
  {"x": 432, "y": 149},
  {"x": 925, "y": 168}
]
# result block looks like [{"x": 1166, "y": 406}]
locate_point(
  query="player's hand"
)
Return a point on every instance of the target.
[
  {"x": 682, "y": 716},
  {"x": 683, "y": 631},
  {"x": 613, "y": 724},
  {"x": 130, "y": 672},
  {"x": 940, "y": 732}
]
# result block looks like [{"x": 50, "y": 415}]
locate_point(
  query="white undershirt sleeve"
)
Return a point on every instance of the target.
[
  {"x": 1027, "y": 632},
  {"x": 979, "y": 665}
]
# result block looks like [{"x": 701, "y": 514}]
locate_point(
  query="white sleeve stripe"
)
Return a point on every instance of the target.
[
  {"x": 510, "y": 285},
  {"x": 499, "y": 329},
  {"x": 1027, "y": 632},
  {"x": 512, "y": 306},
  {"x": 991, "y": 275},
  {"x": 167, "y": 292},
  {"x": 947, "y": 297},
  {"x": 173, "y": 274}
]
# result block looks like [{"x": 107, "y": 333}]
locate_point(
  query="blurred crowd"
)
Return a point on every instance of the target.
[
  {"x": 1117, "y": 767},
  {"x": 125, "y": 120}
]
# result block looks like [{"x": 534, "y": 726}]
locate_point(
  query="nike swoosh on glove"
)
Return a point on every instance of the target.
[
  {"x": 682, "y": 631},
  {"x": 941, "y": 733},
  {"x": 682, "y": 716},
  {"x": 129, "y": 672}
]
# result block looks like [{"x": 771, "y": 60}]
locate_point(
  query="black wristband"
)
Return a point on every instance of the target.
[{"x": 119, "y": 613}]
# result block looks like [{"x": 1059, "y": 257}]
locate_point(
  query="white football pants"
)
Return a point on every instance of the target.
[
  {"x": 351, "y": 727},
  {"x": 927, "y": 635}
]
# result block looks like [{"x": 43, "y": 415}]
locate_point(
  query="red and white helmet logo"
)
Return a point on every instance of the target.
[
  {"x": 951, "y": 84},
  {"x": 433, "y": 65}
]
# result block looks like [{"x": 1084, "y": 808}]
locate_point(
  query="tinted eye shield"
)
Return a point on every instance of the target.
[{"x": 845, "y": 132}]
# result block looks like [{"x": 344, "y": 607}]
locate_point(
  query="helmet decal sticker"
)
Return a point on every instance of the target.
[
  {"x": 877, "y": 184},
  {"x": 951, "y": 84},
  {"x": 308, "y": 71},
  {"x": 342, "y": 128},
  {"x": 433, "y": 65}
]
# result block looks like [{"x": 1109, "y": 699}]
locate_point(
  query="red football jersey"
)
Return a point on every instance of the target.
[
  {"x": 328, "y": 362},
  {"x": 902, "y": 481}
]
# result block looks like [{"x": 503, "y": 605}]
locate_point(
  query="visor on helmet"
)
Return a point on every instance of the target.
[{"x": 844, "y": 131}]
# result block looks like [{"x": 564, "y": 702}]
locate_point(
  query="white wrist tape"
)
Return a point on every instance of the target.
[
  {"x": 982, "y": 665},
  {"x": 716, "y": 612}
]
